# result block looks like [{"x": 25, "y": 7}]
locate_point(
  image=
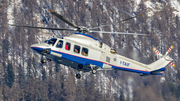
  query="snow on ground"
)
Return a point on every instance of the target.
[
  {"x": 89, "y": 3},
  {"x": 136, "y": 4},
  {"x": 176, "y": 5},
  {"x": 10, "y": 12},
  {"x": 102, "y": 78},
  {"x": 106, "y": 81},
  {"x": 130, "y": 88},
  {"x": 153, "y": 7},
  {"x": 18, "y": 4},
  {"x": 149, "y": 20},
  {"x": 125, "y": 91},
  {"x": 162, "y": 79},
  {"x": 38, "y": 2},
  {"x": 10, "y": 16},
  {"x": 150, "y": 7},
  {"x": 88, "y": 18}
]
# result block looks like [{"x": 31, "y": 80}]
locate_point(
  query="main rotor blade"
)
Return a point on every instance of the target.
[
  {"x": 120, "y": 21},
  {"x": 130, "y": 18},
  {"x": 99, "y": 26},
  {"x": 118, "y": 33},
  {"x": 42, "y": 27},
  {"x": 63, "y": 19}
]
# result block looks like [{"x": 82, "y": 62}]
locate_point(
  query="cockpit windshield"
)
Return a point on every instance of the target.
[{"x": 51, "y": 41}]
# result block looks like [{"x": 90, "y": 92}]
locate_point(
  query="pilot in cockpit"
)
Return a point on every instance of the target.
[{"x": 59, "y": 44}]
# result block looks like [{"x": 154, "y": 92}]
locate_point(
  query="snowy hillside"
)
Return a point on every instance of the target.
[{"x": 23, "y": 77}]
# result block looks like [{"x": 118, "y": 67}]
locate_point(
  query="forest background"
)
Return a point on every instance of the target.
[{"x": 23, "y": 77}]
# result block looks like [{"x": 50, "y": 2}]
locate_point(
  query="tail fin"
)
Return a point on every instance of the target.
[{"x": 160, "y": 64}]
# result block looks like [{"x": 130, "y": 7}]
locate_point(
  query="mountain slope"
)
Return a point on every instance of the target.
[{"x": 34, "y": 81}]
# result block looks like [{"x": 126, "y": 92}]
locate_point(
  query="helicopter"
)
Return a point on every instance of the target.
[{"x": 85, "y": 53}]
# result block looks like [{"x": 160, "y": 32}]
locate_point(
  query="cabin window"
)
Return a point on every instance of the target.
[
  {"x": 59, "y": 44},
  {"x": 107, "y": 59},
  {"x": 84, "y": 51},
  {"x": 68, "y": 46},
  {"x": 76, "y": 48}
]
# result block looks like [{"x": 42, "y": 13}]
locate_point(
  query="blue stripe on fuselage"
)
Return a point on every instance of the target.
[
  {"x": 87, "y": 61},
  {"x": 131, "y": 70},
  {"x": 78, "y": 59},
  {"x": 37, "y": 49}
]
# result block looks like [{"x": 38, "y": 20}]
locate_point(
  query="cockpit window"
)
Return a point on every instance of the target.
[
  {"x": 51, "y": 41},
  {"x": 45, "y": 41}
]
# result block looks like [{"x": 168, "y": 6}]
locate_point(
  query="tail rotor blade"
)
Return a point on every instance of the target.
[
  {"x": 157, "y": 52},
  {"x": 173, "y": 64},
  {"x": 170, "y": 48}
]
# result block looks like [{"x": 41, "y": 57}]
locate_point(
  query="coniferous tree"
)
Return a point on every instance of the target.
[
  {"x": 9, "y": 75},
  {"x": 121, "y": 96},
  {"x": 69, "y": 88},
  {"x": 21, "y": 77},
  {"x": 44, "y": 76},
  {"x": 29, "y": 68}
]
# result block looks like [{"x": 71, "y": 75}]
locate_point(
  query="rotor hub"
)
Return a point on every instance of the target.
[{"x": 82, "y": 29}]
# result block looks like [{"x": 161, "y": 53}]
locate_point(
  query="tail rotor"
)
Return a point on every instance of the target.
[{"x": 167, "y": 52}]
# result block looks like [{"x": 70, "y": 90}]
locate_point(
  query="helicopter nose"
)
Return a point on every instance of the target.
[{"x": 36, "y": 48}]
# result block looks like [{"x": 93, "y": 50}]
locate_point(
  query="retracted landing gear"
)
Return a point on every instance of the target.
[
  {"x": 78, "y": 75},
  {"x": 43, "y": 59}
]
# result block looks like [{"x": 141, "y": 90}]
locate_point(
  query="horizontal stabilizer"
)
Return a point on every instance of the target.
[{"x": 158, "y": 70}]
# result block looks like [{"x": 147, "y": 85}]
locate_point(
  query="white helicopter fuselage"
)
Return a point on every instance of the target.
[
  {"x": 85, "y": 53},
  {"x": 98, "y": 56}
]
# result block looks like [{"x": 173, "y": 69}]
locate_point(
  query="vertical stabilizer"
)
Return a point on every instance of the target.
[{"x": 160, "y": 64}]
